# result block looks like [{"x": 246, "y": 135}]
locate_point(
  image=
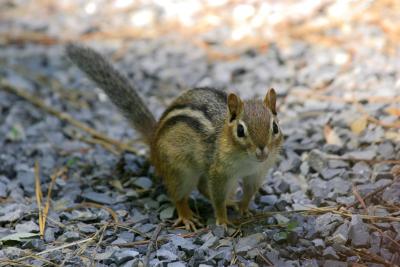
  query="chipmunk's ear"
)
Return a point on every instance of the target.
[
  {"x": 270, "y": 100},
  {"x": 235, "y": 106}
]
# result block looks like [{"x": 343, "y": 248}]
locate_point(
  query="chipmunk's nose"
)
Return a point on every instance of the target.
[{"x": 261, "y": 153}]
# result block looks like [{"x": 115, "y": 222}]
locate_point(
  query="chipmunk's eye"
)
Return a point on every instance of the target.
[
  {"x": 275, "y": 128},
  {"x": 240, "y": 130}
]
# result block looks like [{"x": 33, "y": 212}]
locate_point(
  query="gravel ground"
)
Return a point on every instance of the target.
[{"x": 339, "y": 109}]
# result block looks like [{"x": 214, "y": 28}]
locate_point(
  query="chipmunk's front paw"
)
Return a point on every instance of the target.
[{"x": 190, "y": 224}]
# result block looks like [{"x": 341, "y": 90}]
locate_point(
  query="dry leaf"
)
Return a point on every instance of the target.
[
  {"x": 331, "y": 136},
  {"x": 393, "y": 111},
  {"x": 359, "y": 125}
]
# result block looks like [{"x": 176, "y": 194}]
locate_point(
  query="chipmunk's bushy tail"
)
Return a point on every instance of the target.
[{"x": 116, "y": 86}]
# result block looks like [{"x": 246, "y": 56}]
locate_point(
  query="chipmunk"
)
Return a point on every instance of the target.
[{"x": 206, "y": 138}]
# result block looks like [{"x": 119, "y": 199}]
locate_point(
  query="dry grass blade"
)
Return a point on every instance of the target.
[
  {"x": 98, "y": 233},
  {"x": 65, "y": 117},
  {"x": 66, "y": 246},
  {"x": 39, "y": 197},
  {"x": 49, "y": 190}
]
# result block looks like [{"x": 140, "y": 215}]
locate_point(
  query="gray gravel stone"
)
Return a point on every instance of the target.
[
  {"x": 3, "y": 190},
  {"x": 330, "y": 254},
  {"x": 49, "y": 234},
  {"x": 333, "y": 263},
  {"x": 69, "y": 237},
  {"x": 122, "y": 256},
  {"x": 35, "y": 244},
  {"x": 317, "y": 160},
  {"x": 101, "y": 198},
  {"x": 143, "y": 182},
  {"x": 328, "y": 174},
  {"x": 327, "y": 222},
  {"x": 249, "y": 242},
  {"x": 183, "y": 243},
  {"x": 341, "y": 234},
  {"x": 27, "y": 227},
  {"x": 319, "y": 243},
  {"x": 358, "y": 233},
  {"x": 375, "y": 242},
  {"x": 86, "y": 228},
  {"x": 386, "y": 150},
  {"x": 268, "y": 199},
  {"x": 391, "y": 194},
  {"x": 11, "y": 212},
  {"x": 337, "y": 164},
  {"x": 176, "y": 264},
  {"x": 361, "y": 168},
  {"x": 164, "y": 254}
]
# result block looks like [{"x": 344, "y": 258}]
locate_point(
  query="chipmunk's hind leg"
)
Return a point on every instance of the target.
[
  {"x": 185, "y": 215},
  {"x": 179, "y": 187}
]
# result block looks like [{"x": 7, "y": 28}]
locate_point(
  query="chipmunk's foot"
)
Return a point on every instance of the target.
[
  {"x": 190, "y": 224},
  {"x": 225, "y": 224},
  {"x": 245, "y": 212}
]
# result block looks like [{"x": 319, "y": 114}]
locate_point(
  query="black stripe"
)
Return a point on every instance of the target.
[
  {"x": 201, "y": 108},
  {"x": 190, "y": 121}
]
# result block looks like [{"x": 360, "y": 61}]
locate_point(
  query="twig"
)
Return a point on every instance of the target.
[
  {"x": 380, "y": 189},
  {"x": 372, "y": 256},
  {"x": 39, "y": 197},
  {"x": 94, "y": 141},
  {"x": 267, "y": 261},
  {"x": 358, "y": 196},
  {"x": 152, "y": 243},
  {"x": 65, "y": 117},
  {"x": 385, "y": 235}
]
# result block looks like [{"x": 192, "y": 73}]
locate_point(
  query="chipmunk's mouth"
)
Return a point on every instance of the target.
[{"x": 261, "y": 154}]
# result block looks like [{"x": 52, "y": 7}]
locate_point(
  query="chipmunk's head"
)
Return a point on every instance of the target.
[{"x": 254, "y": 125}]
